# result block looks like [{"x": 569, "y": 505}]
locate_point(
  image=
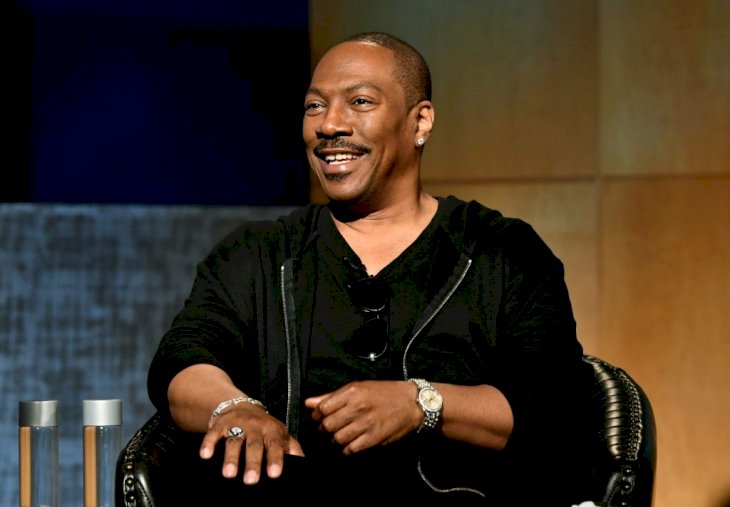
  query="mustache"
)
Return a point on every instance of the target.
[{"x": 340, "y": 144}]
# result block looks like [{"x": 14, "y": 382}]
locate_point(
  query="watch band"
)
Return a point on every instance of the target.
[
  {"x": 420, "y": 383},
  {"x": 430, "y": 401}
]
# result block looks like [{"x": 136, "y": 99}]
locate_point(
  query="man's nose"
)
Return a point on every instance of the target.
[{"x": 335, "y": 123}]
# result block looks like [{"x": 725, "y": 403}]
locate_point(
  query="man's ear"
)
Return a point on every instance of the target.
[{"x": 425, "y": 116}]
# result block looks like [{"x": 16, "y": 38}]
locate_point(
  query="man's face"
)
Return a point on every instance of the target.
[{"x": 358, "y": 133}]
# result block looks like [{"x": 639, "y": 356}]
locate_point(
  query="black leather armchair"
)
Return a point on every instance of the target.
[{"x": 624, "y": 467}]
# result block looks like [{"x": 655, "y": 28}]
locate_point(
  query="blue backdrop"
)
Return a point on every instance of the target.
[
  {"x": 86, "y": 292},
  {"x": 158, "y": 102}
]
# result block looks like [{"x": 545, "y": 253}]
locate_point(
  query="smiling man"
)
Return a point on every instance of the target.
[{"x": 390, "y": 345}]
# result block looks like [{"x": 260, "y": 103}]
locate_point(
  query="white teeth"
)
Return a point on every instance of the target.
[{"x": 339, "y": 157}]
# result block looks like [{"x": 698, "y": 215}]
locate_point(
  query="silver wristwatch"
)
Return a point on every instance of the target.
[{"x": 430, "y": 401}]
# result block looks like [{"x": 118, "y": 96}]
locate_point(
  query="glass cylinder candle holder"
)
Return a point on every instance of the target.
[
  {"x": 38, "y": 453},
  {"x": 102, "y": 444}
]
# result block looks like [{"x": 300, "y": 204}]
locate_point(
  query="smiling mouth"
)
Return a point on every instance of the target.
[{"x": 339, "y": 152}]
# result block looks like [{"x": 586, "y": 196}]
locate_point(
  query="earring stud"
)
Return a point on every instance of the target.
[{"x": 421, "y": 141}]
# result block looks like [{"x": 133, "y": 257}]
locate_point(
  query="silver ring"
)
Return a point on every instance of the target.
[{"x": 236, "y": 432}]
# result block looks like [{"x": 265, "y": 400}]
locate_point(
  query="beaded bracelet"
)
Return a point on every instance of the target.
[{"x": 235, "y": 401}]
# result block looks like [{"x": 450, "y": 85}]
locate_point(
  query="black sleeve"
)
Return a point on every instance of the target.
[
  {"x": 215, "y": 325},
  {"x": 544, "y": 377}
]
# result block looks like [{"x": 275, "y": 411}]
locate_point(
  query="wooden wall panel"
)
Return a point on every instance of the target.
[
  {"x": 503, "y": 73},
  {"x": 665, "y": 103},
  {"x": 520, "y": 65},
  {"x": 665, "y": 319}
]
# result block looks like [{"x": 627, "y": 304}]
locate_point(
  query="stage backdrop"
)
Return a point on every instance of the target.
[{"x": 86, "y": 292}]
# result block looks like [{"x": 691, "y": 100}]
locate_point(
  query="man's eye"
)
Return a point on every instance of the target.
[
  {"x": 361, "y": 102},
  {"x": 312, "y": 107}
]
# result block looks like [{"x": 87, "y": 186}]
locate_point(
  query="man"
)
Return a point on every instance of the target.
[{"x": 388, "y": 345}]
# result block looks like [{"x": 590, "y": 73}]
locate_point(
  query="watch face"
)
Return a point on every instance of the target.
[{"x": 430, "y": 400}]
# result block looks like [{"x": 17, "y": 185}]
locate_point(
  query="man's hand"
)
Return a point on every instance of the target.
[
  {"x": 263, "y": 433},
  {"x": 360, "y": 415}
]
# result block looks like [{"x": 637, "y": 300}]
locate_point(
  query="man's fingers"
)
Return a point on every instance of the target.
[
  {"x": 295, "y": 448},
  {"x": 245, "y": 450},
  {"x": 231, "y": 457},
  {"x": 312, "y": 402},
  {"x": 254, "y": 457},
  {"x": 207, "y": 448}
]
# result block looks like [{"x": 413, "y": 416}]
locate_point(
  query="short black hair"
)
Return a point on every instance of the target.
[{"x": 411, "y": 69}]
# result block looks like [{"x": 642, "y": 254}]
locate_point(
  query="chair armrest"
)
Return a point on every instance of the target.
[
  {"x": 627, "y": 432},
  {"x": 141, "y": 467}
]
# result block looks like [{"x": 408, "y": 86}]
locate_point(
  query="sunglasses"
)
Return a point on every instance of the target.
[{"x": 370, "y": 340}]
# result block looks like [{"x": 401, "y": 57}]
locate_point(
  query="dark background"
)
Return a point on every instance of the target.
[
  {"x": 136, "y": 134},
  {"x": 160, "y": 102}
]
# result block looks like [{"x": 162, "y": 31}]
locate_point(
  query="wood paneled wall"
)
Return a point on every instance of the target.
[{"x": 605, "y": 124}]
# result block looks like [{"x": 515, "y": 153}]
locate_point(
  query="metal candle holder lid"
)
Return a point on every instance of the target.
[
  {"x": 102, "y": 412},
  {"x": 38, "y": 413}
]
